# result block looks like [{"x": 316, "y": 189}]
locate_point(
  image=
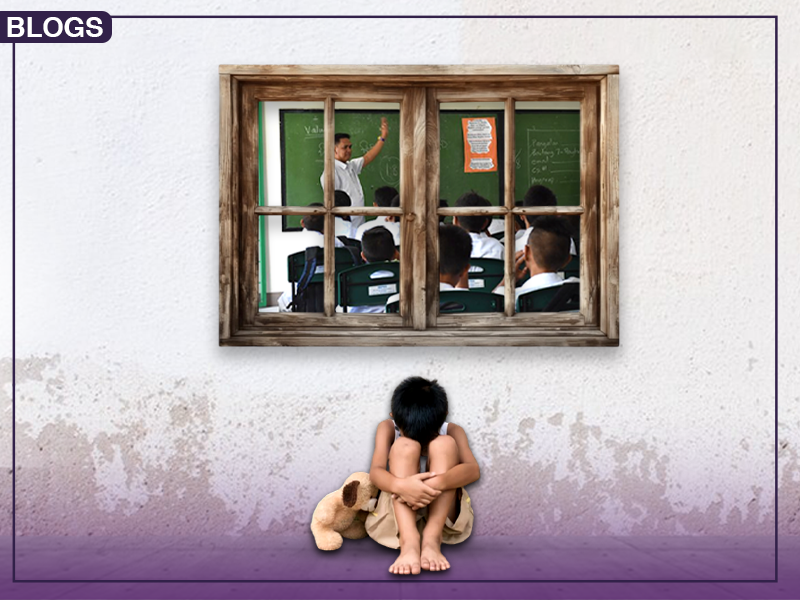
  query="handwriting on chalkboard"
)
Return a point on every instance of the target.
[
  {"x": 551, "y": 158},
  {"x": 390, "y": 170}
]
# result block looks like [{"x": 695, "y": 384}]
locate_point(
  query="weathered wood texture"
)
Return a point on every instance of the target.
[
  {"x": 293, "y": 321},
  {"x": 499, "y": 211},
  {"x": 320, "y": 210},
  {"x": 227, "y": 191},
  {"x": 535, "y": 336},
  {"x": 546, "y": 93},
  {"x": 609, "y": 206},
  {"x": 432, "y": 165},
  {"x": 415, "y": 102},
  {"x": 419, "y": 90},
  {"x": 248, "y": 200},
  {"x": 328, "y": 137},
  {"x": 432, "y": 72},
  {"x": 590, "y": 192},
  {"x": 408, "y": 204},
  {"x": 508, "y": 190}
]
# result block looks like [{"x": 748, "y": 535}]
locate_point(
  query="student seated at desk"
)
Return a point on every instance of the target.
[
  {"x": 344, "y": 225},
  {"x": 377, "y": 245},
  {"x": 483, "y": 245},
  {"x": 383, "y": 198},
  {"x": 537, "y": 195},
  {"x": 455, "y": 246},
  {"x": 546, "y": 253},
  {"x": 311, "y": 235}
]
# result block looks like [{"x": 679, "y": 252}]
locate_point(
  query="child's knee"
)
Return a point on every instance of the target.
[
  {"x": 405, "y": 448},
  {"x": 444, "y": 446}
]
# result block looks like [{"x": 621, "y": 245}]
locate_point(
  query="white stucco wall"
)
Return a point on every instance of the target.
[{"x": 131, "y": 418}]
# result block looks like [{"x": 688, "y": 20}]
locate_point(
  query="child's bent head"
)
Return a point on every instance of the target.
[{"x": 419, "y": 408}]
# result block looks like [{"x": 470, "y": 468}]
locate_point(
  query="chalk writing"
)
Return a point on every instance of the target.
[
  {"x": 390, "y": 170},
  {"x": 551, "y": 157}
]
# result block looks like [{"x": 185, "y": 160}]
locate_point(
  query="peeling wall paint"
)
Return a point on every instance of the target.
[
  {"x": 130, "y": 419},
  {"x": 149, "y": 454}
]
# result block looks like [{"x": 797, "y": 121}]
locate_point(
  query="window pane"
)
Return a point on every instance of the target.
[
  {"x": 547, "y": 142},
  {"x": 364, "y": 163},
  {"x": 369, "y": 287},
  {"x": 291, "y": 265},
  {"x": 552, "y": 260},
  {"x": 291, "y": 153},
  {"x": 471, "y": 150},
  {"x": 471, "y": 266}
]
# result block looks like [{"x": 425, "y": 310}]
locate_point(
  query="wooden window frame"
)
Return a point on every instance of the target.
[{"x": 419, "y": 90}]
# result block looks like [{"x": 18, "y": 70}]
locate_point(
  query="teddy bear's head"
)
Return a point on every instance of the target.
[{"x": 359, "y": 492}]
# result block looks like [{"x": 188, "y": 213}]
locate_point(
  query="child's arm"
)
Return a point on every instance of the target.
[
  {"x": 520, "y": 268},
  {"x": 465, "y": 472},
  {"x": 413, "y": 490}
]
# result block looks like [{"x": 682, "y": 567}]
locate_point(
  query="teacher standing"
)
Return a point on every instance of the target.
[{"x": 346, "y": 171}]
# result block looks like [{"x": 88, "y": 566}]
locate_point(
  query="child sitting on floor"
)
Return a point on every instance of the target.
[{"x": 421, "y": 464}]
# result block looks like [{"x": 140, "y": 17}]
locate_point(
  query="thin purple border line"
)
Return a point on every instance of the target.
[
  {"x": 13, "y": 311},
  {"x": 580, "y": 581},
  {"x": 777, "y": 443}
]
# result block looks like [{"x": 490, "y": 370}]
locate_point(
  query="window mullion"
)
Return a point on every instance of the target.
[
  {"x": 432, "y": 162},
  {"x": 413, "y": 186},
  {"x": 609, "y": 206},
  {"x": 329, "y": 233},
  {"x": 510, "y": 172},
  {"x": 590, "y": 184}
]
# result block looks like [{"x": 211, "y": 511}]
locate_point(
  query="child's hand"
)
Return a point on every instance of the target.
[
  {"x": 414, "y": 492},
  {"x": 519, "y": 265}
]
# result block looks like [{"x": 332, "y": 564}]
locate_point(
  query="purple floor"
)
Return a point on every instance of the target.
[{"x": 483, "y": 567}]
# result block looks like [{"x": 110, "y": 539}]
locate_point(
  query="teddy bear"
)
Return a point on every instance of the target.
[{"x": 337, "y": 514}]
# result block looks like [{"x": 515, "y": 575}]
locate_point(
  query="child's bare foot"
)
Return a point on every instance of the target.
[
  {"x": 408, "y": 561},
  {"x": 432, "y": 558}
]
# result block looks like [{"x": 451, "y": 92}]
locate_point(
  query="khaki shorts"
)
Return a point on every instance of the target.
[{"x": 382, "y": 525}]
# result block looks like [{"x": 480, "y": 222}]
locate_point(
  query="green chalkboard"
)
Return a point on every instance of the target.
[
  {"x": 453, "y": 181},
  {"x": 303, "y": 153},
  {"x": 547, "y": 152},
  {"x": 547, "y": 146}
]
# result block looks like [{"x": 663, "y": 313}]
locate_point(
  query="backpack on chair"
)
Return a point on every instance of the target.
[{"x": 309, "y": 296}]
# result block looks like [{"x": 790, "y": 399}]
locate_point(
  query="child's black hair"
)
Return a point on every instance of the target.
[
  {"x": 539, "y": 195},
  {"x": 443, "y": 204},
  {"x": 341, "y": 198},
  {"x": 378, "y": 244},
  {"x": 384, "y": 196},
  {"x": 473, "y": 223},
  {"x": 550, "y": 241},
  {"x": 314, "y": 222},
  {"x": 455, "y": 247},
  {"x": 419, "y": 408}
]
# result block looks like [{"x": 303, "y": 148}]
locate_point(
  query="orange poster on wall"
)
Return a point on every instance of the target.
[{"x": 480, "y": 144}]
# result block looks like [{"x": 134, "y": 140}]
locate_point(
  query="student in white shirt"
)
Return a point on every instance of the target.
[
  {"x": 455, "y": 247},
  {"x": 346, "y": 171},
  {"x": 312, "y": 235},
  {"x": 383, "y": 198},
  {"x": 537, "y": 195},
  {"x": 546, "y": 253},
  {"x": 377, "y": 245},
  {"x": 344, "y": 226},
  {"x": 483, "y": 245}
]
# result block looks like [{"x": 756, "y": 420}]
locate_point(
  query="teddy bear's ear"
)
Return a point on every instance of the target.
[{"x": 350, "y": 494}]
